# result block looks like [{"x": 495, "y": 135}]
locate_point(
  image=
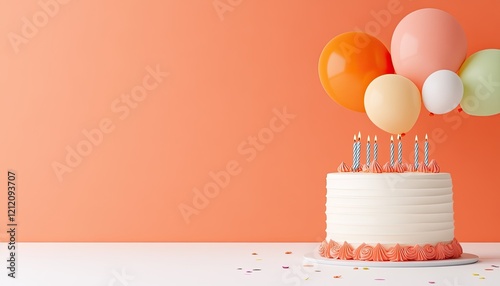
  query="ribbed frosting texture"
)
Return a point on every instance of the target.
[{"x": 390, "y": 209}]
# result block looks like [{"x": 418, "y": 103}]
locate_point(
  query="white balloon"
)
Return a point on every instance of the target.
[{"x": 442, "y": 91}]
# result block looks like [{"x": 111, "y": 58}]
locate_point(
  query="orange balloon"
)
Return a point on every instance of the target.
[{"x": 347, "y": 65}]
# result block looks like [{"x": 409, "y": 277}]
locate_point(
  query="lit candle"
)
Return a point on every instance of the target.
[
  {"x": 400, "y": 150},
  {"x": 354, "y": 152},
  {"x": 416, "y": 152},
  {"x": 375, "y": 149},
  {"x": 368, "y": 151},
  {"x": 392, "y": 151},
  {"x": 426, "y": 151},
  {"x": 358, "y": 153}
]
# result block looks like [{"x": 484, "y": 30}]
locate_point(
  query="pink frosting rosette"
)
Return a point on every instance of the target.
[
  {"x": 396, "y": 253},
  {"x": 334, "y": 249},
  {"x": 342, "y": 168},
  {"x": 365, "y": 168},
  {"x": 375, "y": 167},
  {"x": 409, "y": 253},
  {"x": 422, "y": 168},
  {"x": 388, "y": 168},
  {"x": 421, "y": 254},
  {"x": 359, "y": 169},
  {"x": 379, "y": 253},
  {"x": 440, "y": 251},
  {"x": 399, "y": 168},
  {"x": 357, "y": 252},
  {"x": 433, "y": 166},
  {"x": 324, "y": 249},
  {"x": 430, "y": 251},
  {"x": 410, "y": 168},
  {"x": 345, "y": 252},
  {"x": 447, "y": 249},
  {"x": 366, "y": 253}
]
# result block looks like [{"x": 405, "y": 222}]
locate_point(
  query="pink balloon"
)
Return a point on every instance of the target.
[{"x": 425, "y": 41}]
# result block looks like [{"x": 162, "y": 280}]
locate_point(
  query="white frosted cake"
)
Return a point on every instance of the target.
[{"x": 390, "y": 216}]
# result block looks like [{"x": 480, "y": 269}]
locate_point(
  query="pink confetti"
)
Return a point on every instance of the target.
[
  {"x": 285, "y": 267},
  {"x": 288, "y": 252},
  {"x": 380, "y": 279},
  {"x": 432, "y": 282},
  {"x": 254, "y": 253},
  {"x": 496, "y": 266},
  {"x": 489, "y": 269}
]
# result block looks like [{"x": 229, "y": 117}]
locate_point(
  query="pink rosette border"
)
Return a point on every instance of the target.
[{"x": 345, "y": 251}]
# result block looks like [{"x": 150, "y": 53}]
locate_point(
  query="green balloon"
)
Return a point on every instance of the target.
[{"x": 480, "y": 74}]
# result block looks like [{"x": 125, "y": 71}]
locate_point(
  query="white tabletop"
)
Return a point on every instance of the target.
[{"x": 154, "y": 264}]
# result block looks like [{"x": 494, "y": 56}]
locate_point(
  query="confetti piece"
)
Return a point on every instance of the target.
[
  {"x": 285, "y": 267},
  {"x": 254, "y": 253},
  {"x": 482, "y": 278},
  {"x": 475, "y": 274},
  {"x": 239, "y": 268},
  {"x": 366, "y": 268},
  {"x": 432, "y": 282},
  {"x": 489, "y": 269},
  {"x": 496, "y": 266},
  {"x": 380, "y": 279},
  {"x": 258, "y": 259},
  {"x": 256, "y": 269},
  {"x": 355, "y": 268},
  {"x": 307, "y": 278},
  {"x": 317, "y": 270},
  {"x": 308, "y": 265},
  {"x": 337, "y": 276},
  {"x": 288, "y": 252}
]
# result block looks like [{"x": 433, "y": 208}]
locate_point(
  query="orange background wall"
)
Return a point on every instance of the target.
[{"x": 228, "y": 75}]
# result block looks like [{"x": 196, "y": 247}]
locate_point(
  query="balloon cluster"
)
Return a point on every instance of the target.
[{"x": 427, "y": 63}]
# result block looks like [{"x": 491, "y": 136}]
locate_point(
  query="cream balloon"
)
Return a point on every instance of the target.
[
  {"x": 442, "y": 91},
  {"x": 393, "y": 103}
]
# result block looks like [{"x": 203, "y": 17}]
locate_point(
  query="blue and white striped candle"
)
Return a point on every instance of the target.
[
  {"x": 426, "y": 151},
  {"x": 358, "y": 151},
  {"x": 416, "y": 152},
  {"x": 400, "y": 150},
  {"x": 392, "y": 151},
  {"x": 354, "y": 153},
  {"x": 368, "y": 152}
]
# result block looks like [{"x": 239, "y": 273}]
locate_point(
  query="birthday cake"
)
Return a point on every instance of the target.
[{"x": 395, "y": 212}]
